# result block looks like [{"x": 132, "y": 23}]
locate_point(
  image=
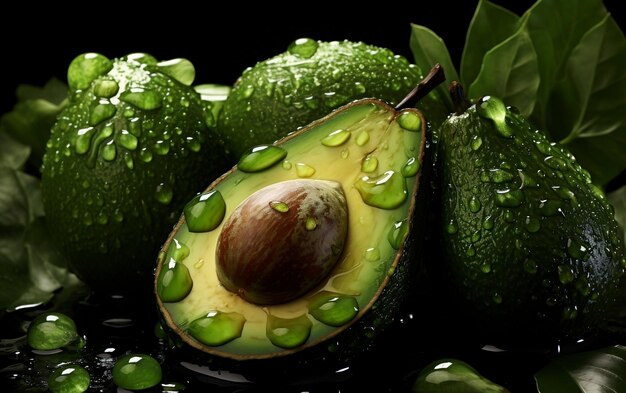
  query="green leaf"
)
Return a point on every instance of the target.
[
  {"x": 33, "y": 115},
  {"x": 491, "y": 25},
  {"x": 598, "y": 371},
  {"x": 13, "y": 154},
  {"x": 31, "y": 268},
  {"x": 510, "y": 71},
  {"x": 592, "y": 94},
  {"x": 556, "y": 27},
  {"x": 429, "y": 49}
]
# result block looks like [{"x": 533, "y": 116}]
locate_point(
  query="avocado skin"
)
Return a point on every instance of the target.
[
  {"x": 286, "y": 92},
  {"x": 520, "y": 283},
  {"x": 104, "y": 214}
]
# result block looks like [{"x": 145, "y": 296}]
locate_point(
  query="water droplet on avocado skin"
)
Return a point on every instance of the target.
[{"x": 303, "y": 47}]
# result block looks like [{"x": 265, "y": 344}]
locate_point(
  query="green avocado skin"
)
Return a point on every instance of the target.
[
  {"x": 288, "y": 91},
  {"x": 113, "y": 185},
  {"x": 530, "y": 244}
]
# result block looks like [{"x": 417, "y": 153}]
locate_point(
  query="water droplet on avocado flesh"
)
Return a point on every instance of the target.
[{"x": 283, "y": 308}]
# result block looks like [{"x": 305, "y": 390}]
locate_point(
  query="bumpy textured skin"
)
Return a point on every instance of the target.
[
  {"x": 288, "y": 91},
  {"x": 105, "y": 213},
  {"x": 546, "y": 268}
]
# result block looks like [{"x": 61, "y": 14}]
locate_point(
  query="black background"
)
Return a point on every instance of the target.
[{"x": 221, "y": 39}]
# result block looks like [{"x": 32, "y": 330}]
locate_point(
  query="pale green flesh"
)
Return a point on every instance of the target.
[{"x": 358, "y": 273}]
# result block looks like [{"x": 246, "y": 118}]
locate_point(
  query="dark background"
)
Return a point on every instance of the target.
[{"x": 221, "y": 39}]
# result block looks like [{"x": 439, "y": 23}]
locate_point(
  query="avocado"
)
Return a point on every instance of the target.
[
  {"x": 134, "y": 143},
  {"x": 530, "y": 243},
  {"x": 453, "y": 375},
  {"x": 302, "y": 247},
  {"x": 288, "y": 91}
]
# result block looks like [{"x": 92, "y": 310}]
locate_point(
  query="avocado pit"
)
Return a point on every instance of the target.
[{"x": 283, "y": 240}]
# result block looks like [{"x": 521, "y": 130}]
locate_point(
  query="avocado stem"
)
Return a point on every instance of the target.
[
  {"x": 435, "y": 77},
  {"x": 459, "y": 100}
]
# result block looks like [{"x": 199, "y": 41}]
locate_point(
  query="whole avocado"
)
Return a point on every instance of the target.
[
  {"x": 290, "y": 90},
  {"x": 530, "y": 244},
  {"x": 133, "y": 145}
]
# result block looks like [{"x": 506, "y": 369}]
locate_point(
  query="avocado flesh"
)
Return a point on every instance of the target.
[
  {"x": 530, "y": 243},
  {"x": 368, "y": 259}
]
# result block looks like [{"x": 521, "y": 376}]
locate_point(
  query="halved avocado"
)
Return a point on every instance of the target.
[{"x": 358, "y": 167}]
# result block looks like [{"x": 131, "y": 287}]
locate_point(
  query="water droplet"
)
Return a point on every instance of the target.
[
  {"x": 247, "y": 91},
  {"x": 136, "y": 372},
  {"x": 261, "y": 157},
  {"x": 471, "y": 251},
  {"x": 488, "y": 223},
  {"x": 161, "y": 147},
  {"x": 145, "y": 155},
  {"x": 69, "y": 378},
  {"x": 51, "y": 330},
  {"x": 303, "y": 47},
  {"x": 310, "y": 223},
  {"x": 141, "y": 58},
  {"x": 205, "y": 211},
  {"x": 543, "y": 146},
  {"x": 369, "y": 164},
  {"x": 387, "y": 191},
  {"x": 582, "y": 285},
  {"x": 145, "y": 99},
  {"x": 164, "y": 193},
  {"x": 126, "y": 140},
  {"x": 474, "y": 205},
  {"x": 485, "y": 267},
  {"x": 304, "y": 170},
  {"x": 345, "y": 153},
  {"x": 279, "y": 206},
  {"x": 576, "y": 249},
  {"x": 102, "y": 218},
  {"x": 549, "y": 207},
  {"x": 336, "y": 138},
  {"x": 105, "y": 88},
  {"x": 101, "y": 112},
  {"x": 398, "y": 233},
  {"x": 134, "y": 126},
  {"x": 410, "y": 168},
  {"x": 372, "y": 254},
  {"x": 496, "y": 176},
  {"x": 288, "y": 333},
  {"x": 128, "y": 159},
  {"x": 83, "y": 140},
  {"x": 85, "y": 68},
  {"x": 333, "y": 309},
  {"x": 509, "y": 198},
  {"x": 359, "y": 88},
  {"x": 217, "y": 328},
  {"x": 286, "y": 165},
  {"x": 530, "y": 266},
  {"x": 555, "y": 162},
  {"x": 475, "y": 237},
  {"x": 493, "y": 109},
  {"x": 497, "y": 298},
  {"x": 181, "y": 70},
  {"x": 476, "y": 143},
  {"x": 362, "y": 138},
  {"x": 565, "y": 193},
  {"x": 174, "y": 282},
  {"x": 451, "y": 228},
  {"x": 532, "y": 224},
  {"x": 410, "y": 121},
  {"x": 109, "y": 151}
]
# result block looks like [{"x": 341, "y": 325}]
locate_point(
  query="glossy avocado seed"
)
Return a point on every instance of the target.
[{"x": 282, "y": 240}]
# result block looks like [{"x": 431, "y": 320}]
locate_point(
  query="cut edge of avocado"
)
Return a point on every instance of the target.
[{"x": 413, "y": 136}]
